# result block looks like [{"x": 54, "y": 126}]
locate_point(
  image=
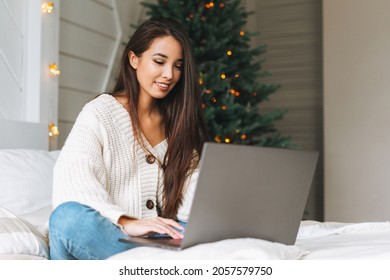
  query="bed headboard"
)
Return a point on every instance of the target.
[{"x": 23, "y": 135}]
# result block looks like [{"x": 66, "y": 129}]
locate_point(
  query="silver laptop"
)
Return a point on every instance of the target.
[{"x": 245, "y": 191}]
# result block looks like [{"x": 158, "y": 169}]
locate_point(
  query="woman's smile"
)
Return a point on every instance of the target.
[{"x": 162, "y": 86}]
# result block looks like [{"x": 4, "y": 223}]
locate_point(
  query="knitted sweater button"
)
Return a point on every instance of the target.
[
  {"x": 149, "y": 204},
  {"x": 150, "y": 159}
]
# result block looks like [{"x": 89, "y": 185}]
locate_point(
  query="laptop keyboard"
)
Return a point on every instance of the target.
[{"x": 166, "y": 240}]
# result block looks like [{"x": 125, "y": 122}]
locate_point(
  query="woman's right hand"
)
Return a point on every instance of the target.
[{"x": 134, "y": 227}]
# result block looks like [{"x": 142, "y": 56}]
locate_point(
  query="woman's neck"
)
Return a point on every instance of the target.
[{"x": 147, "y": 107}]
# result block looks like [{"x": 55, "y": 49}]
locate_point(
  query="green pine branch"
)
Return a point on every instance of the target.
[{"x": 230, "y": 71}]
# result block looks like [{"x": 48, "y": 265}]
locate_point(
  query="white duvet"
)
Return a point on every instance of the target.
[
  {"x": 315, "y": 241},
  {"x": 338, "y": 241}
]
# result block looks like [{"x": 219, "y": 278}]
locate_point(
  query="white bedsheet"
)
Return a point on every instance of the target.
[
  {"x": 338, "y": 241},
  {"x": 230, "y": 249},
  {"x": 315, "y": 241}
]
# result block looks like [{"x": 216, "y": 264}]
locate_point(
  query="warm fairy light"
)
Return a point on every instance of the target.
[
  {"x": 54, "y": 70},
  {"x": 242, "y": 33},
  {"x": 227, "y": 140},
  {"x": 254, "y": 94},
  {"x": 222, "y": 5},
  {"x": 208, "y": 91},
  {"x": 200, "y": 81},
  {"x": 213, "y": 99},
  {"x": 229, "y": 52},
  {"x": 224, "y": 107},
  {"x": 232, "y": 91},
  {"x": 47, "y": 7},
  {"x": 210, "y": 5},
  {"x": 203, "y": 105},
  {"x": 236, "y": 75},
  {"x": 53, "y": 130},
  {"x": 243, "y": 137},
  {"x": 237, "y": 93},
  {"x": 217, "y": 139},
  {"x": 223, "y": 76}
]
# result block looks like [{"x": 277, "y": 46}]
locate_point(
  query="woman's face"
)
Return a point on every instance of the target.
[{"x": 158, "y": 69}]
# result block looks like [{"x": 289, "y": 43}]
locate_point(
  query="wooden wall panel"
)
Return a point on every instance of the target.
[
  {"x": 78, "y": 42},
  {"x": 16, "y": 10},
  {"x": 90, "y": 34},
  {"x": 11, "y": 60},
  {"x": 292, "y": 31},
  {"x": 72, "y": 101},
  {"x": 107, "y": 3},
  {"x": 11, "y": 42},
  {"x": 11, "y": 94},
  {"x": 91, "y": 15},
  {"x": 80, "y": 74}
]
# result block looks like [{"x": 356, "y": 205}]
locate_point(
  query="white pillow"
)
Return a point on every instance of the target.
[
  {"x": 26, "y": 179},
  {"x": 19, "y": 237}
]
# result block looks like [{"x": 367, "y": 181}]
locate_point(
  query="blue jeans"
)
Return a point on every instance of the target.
[{"x": 78, "y": 232}]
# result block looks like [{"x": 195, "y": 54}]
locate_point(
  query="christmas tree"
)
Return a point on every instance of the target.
[{"x": 229, "y": 72}]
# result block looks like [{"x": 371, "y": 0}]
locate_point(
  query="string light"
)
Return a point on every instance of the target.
[
  {"x": 208, "y": 91},
  {"x": 223, "y": 76},
  {"x": 227, "y": 140},
  {"x": 203, "y": 105},
  {"x": 54, "y": 69},
  {"x": 217, "y": 139},
  {"x": 242, "y": 33},
  {"x": 47, "y": 7},
  {"x": 224, "y": 107},
  {"x": 243, "y": 137},
  {"x": 229, "y": 52},
  {"x": 237, "y": 93},
  {"x": 232, "y": 91},
  {"x": 236, "y": 75},
  {"x": 222, "y": 5},
  {"x": 53, "y": 130},
  {"x": 210, "y": 5},
  {"x": 214, "y": 100}
]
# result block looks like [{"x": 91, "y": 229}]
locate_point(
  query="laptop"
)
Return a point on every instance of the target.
[{"x": 245, "y": 192}]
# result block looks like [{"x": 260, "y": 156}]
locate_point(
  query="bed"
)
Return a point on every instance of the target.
[{"x": 25, "y": 206}]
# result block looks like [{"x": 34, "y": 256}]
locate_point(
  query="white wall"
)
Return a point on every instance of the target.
[{"x": 356, "y": 110}]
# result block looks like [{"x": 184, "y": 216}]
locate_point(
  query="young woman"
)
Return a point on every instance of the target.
[{"x": 129, "y": 165}]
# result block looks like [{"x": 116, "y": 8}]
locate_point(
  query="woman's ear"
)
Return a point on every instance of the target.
[{"x": 133, "y": 59}]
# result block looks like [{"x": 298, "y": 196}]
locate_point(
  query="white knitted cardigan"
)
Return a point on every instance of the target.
[{"x": 103, "y": 166}]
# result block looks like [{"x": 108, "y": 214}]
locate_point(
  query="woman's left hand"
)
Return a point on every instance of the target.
[{"x": 135, "y": 227}]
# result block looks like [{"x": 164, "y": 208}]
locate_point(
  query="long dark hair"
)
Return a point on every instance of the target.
[{"x": 181, "y": 110}]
